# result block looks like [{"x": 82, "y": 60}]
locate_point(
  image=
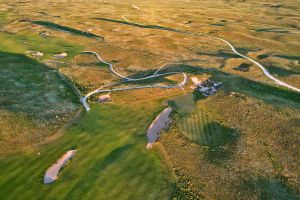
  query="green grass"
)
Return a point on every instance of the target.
[
  {"x": 269, "y": 93},
  {"x": 22, "y": 42},
  {"x": 204, "y": 129},
  {"x": 281, "y": 72},
  {"x": 34, "y": 101},
  {"x": 266, "y": 188},
  {"x": 111, "y": 163},
  {"x": 55, "y": 26}
]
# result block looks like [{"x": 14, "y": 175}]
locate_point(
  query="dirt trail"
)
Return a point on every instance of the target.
[{"x": 127, "y": 79}]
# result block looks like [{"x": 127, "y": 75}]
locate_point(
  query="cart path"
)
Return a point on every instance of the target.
[
  {"x": 156, "y": 74},
  {"x": 127, "y": 79},
  {"x": 264, "y": 70}
]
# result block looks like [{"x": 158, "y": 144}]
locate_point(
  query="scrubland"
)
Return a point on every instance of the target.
[{"x": 241, "y": 143}]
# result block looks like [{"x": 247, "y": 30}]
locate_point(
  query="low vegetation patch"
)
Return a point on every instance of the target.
[{"x": 34, "y": 101}]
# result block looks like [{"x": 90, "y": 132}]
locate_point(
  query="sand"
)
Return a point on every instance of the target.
[{"x": 52, "y": 172}]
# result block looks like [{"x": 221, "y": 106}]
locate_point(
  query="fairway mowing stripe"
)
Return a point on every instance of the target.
[{"x": 200, "y": 127}]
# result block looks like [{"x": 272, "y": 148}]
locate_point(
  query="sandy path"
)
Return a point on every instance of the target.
[
  {"x": 264, "y": 70},
  {"x": 127, "y": 79}
]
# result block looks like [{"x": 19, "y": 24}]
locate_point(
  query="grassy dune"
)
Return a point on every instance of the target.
[
  {"x": 34, "y": 101},
  {"x": 241, "y": 143},
  {"x": 111, "y": 162}
]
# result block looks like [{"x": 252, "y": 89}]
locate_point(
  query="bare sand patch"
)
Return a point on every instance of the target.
[
  {"x": 52, "y": 172},
  {"x": 160, "y": 123}
]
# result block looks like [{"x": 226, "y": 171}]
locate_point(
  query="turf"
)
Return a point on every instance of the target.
[
  {"x": 211, "y": 160},
  {"x": 25, "y": 41},
  {"x": 34, "y": 101},
  {"x": 111, "y": 162},
  {"x": 204, "y": 129}
]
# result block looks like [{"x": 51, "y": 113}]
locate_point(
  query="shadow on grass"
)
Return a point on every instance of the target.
[
  {"x": 271, "y": 30},
  {"x": 232, "y": 83},
  {"x": 268, "y": 93},
  {"x": 169, "y": 68},
  {"x": 52, "y": 25},
  {"x": 219, "y": 140},
  {"x": 265, "y": 188},
  {"x": 215, "y": 134},
  {"x": 217, "y": 24},
  {"x": 289, "y": 57},
  {"x": 89, "y": 179},
  {"x": 262, "y": 56},
  {"x": 281, "y": 72},
  {"x": 219, "y": 54},
  {"x": 22, "y": 77},
  {"x": 244, "y": 67},
  {"x": 142, "y": 25}
]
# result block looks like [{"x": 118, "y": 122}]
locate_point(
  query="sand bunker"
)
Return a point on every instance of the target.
[
  {"x": 51, "y": 173},
  {"x": 160, "y": 123},
  {"x": 60, "y": 55}
]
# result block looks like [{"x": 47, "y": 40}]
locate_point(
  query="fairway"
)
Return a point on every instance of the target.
[
  {"x": 212, "y": 86},
  {"x": 111, "y": 160}
]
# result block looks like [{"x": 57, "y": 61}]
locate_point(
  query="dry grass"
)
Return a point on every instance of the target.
[{"x": 261, "y": 162}]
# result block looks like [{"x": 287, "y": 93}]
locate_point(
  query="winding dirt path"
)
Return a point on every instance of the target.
[
  {"x": 156, "y": 74},
  {"x": 264, "y": 70},
  {"x": 127, "y": 79}
]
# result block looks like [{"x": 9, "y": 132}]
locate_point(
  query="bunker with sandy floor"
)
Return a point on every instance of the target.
[
  {"x": 52, "y": 172},
  {"x": 160, "y": 123}
]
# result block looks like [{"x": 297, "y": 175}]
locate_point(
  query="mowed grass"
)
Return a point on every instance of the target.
[
  {"x": 26, "y": 41},
  {"x": 111, "y": 162},
  {"x": 34, "y": 102},
  {"x": 203, "y": 128}
]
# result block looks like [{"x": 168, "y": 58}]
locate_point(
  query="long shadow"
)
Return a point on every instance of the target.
[
  {"x": 215, "y": 134},
  {"x": 244, "y": 67},
  {"x": 289, "y": 57},
  {"x": 220, "y": 141},
  {"x": 21, "y": 76},
  {"x": 143, "y": 26},
  {"x": 93, "y": 173},
  {"x": 52, "y": 25},
  {"x": 219, "y": 54},
  {"x": 271, "y": 30},
  {"x": 281, "y": 72},
  {"x": 217, "y": 24},
  {"x": 268, "y": 93},
  {"x": 169, "y": 68},
  {"x": 268, "y": 188},
  {"x": 233, "y": 83}
]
